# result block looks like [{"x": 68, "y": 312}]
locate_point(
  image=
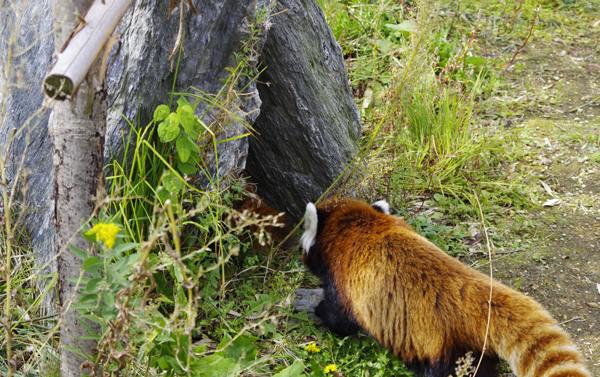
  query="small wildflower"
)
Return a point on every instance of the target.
[
  {"x": 312, "y": 348},
  {"x": 105, "y": 232},
  {"x": 330, "y": 368}
]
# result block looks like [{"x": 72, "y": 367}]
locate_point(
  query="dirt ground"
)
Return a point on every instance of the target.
[{"x": 557, "y": 85}]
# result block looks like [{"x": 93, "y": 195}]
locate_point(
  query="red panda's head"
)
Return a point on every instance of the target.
[{"x": 314, "y": 218}]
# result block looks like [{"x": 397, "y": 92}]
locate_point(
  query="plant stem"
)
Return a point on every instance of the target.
[
  {"x": 7, "y": 229},
  {"x": 535, "y": 16}
]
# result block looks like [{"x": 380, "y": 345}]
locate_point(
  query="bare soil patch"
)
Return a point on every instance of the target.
[
  {"x": 561, "y": 270},
  {"x": 558, "y": 86}
]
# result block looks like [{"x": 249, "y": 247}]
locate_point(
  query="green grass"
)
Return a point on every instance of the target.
[
  {"x": 427, "y": 86},
  {"x": 32, "y": 325}
]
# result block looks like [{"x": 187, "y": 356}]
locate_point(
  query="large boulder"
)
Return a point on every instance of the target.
[
  {"x": 140, "y": 79},
  {"x": 32, "y": 54},
  {"x": 306, "y": 133},
  {"x": 309, "y": 125},
  {"x": 143, "y": 76}
]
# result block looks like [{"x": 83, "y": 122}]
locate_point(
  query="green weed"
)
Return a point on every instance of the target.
[
  {"x": 357, "y": 356},
  {"x": 171, "y": 294}
]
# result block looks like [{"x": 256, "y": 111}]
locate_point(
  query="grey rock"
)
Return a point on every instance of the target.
[
  {"x": 306, "y": 123},
  {"x": 307, "y": 299},
  {"x": 309, "y": 125},
  {"x": 142, "y": 78},
  {"x": 24, "y": 99},
  {"x": 138, "y": 81}
]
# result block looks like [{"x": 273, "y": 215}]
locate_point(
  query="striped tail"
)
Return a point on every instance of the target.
[{"x": 546, "y": 350}]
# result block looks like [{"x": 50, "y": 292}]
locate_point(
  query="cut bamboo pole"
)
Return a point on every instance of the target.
[{"x": 83, "y": 47}]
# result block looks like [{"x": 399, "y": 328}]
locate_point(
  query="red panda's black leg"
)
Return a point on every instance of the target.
[
  {"x": 330, "y": 311},
  {"x": 488, "y": 367}
]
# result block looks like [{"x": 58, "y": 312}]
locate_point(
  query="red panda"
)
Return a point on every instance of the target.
[
  {"x": 252, "y": 203},
  {"x": 426, "y": 307}
]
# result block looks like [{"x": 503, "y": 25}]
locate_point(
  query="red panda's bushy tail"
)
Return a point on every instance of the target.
[{"x": 543, "y": 349}]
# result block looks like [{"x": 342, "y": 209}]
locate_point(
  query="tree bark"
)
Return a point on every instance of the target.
[{"x": 77, "y": 148}]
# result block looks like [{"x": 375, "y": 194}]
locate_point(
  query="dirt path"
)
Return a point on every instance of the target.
[{"x": 556, "y": 84}]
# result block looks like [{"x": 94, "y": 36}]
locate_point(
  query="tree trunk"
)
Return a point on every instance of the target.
[{"x": 77, "y": 147}]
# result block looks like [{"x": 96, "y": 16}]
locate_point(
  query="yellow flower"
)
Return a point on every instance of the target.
[
  {"x": 105, "y": 232},
  {"x": 330, "y": 368},
  {"x": 312, "y": 348}
]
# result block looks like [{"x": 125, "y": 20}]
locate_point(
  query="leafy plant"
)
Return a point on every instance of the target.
[
  {"x": 357, "y": 356},
  {"x": 116, "y": 295},
  {"x": 446, "y": 238},
  {"x": 184, "y": 128}
]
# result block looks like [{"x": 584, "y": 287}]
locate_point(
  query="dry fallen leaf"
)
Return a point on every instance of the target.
[
  {"x": 552, "y": 202},
  {"x": 172, "y": 6},
  {"x": 547, "y": 188},
  {"x": 593, "y": 305},
  {"x": 472, "y": 241},
  {"x": 564, "y": 256},
  {"x": 206, "y": 341}
]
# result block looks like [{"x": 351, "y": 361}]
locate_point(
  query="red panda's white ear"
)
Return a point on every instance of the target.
[
  {"x": 310, "y": 227},
  {"x": 382, "y": 206}
]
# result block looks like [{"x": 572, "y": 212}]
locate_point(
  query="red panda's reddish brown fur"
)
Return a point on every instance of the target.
[
  {"x": 423, "y": 305},
  {"x": 252, "y": 203}
]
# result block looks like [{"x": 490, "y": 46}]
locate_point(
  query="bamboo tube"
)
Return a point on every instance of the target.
[{"x": 83, "y": 47}]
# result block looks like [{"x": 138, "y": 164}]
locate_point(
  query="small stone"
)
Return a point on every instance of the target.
[{"x": 307, "y": 299}]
